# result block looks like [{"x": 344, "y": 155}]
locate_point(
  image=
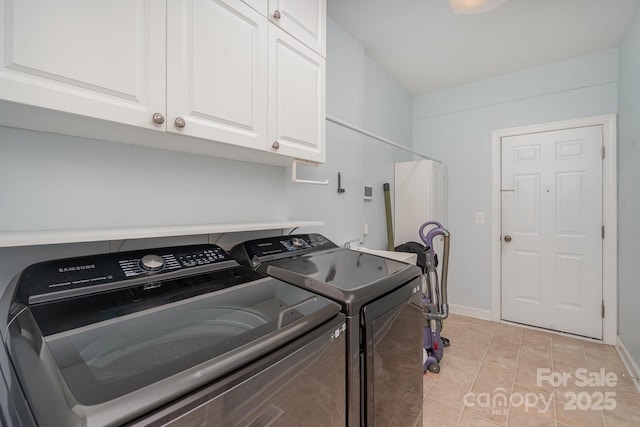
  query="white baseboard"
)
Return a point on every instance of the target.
[
  {"x": 629, "y": 363},
  {"x": 476, "y": 313}
]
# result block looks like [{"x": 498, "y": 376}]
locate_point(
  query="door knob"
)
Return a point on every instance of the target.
[{"x": 507, "y": 239}]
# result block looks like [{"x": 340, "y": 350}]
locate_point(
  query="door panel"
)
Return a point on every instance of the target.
[
  {"x": 570, "y": 189},
  {"x": 527, "y": 204},
  {"x": 296, "y": 98},
  {"x": 570, "y": 270},
  {"x": 552, "y": 210},
  {"x": 528, "y": 275},
  {"x": 303, "y": 19},
  {"x": 98, "y": 59},
  {"x": 217, "y": 71}
]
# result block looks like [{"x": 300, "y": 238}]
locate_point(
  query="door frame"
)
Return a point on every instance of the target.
[{"x": 609, "y": 213}]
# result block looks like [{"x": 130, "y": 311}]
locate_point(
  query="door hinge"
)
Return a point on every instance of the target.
[
  {"x": 604, "y": 151},
  {"x": 603, "y": 309},
  {"x": 603, "y": 231}
]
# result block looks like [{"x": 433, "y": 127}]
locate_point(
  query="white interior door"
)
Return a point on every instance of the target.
[{"x": 552, "y": 230}]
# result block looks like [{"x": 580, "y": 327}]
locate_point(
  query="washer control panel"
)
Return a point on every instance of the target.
[
  {"x": 205, "y": 257},
  {"x": 151, "y": 263},
  {"x": 95, "y": 271}
]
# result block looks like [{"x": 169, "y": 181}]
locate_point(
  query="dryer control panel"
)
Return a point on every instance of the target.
[{"x": 252, "y": 252}]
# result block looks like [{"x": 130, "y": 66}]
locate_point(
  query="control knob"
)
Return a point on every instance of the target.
[
  {"x": 297, "y": 242},
  {"x": 152, "y": 263}
]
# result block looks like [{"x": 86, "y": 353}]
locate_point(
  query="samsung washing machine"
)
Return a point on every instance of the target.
[
  {"x": 172, "y": 336},
  {"x": 381, "y": 299}
]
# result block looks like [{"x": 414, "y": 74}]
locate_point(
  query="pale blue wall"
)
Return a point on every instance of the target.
[
  {"x": 455, "y": 127},
  {"x": 361, "y": 93},
  {"x": 628, "y": 193},
  {"x": 52, "y": 181},
  {"x": 58, "y": 182},
  {"x": 388, "y": 112}
]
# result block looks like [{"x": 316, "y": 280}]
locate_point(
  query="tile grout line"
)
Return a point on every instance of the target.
[
  {"x": 553, "y": 387},
  {"x": 553, "y": 392},
  {"x": 555, "y": 396},
  {"x": 432, "y": 383},
  {"x": 604, "y": 420},
  {"x": 475, "y": 378},
  {"x": 515, "y": 371}
]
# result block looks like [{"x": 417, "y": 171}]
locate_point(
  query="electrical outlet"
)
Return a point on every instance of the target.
[
  {"x": 479, "y": 217},
  {"x": 368, "y": 193}
]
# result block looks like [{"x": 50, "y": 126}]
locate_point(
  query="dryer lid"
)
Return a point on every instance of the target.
[{"x": 349, "y": 277}]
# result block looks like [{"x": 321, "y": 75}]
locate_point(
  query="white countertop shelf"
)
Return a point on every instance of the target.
[{"x": 48, "y": 237}]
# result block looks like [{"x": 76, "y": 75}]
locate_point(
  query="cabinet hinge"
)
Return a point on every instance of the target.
[
  {"x": 604, "y": 152},
  {"x": 603, "y": 309},
  {"x": 603, "y": 231}
]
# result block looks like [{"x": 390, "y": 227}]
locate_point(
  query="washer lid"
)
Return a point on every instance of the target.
[
  {"x": 117, "y": 354},
  {"x": 349, "y": 277},
  {"x": 131, "y": 342}
]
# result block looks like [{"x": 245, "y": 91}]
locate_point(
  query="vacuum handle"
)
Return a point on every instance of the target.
[
  {"x": 443, "y": 305},
  {"x": 427, "y": 238}
]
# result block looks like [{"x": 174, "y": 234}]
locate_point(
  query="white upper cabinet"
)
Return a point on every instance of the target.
[
  {"x": 214, "y": 77},
  {"x": 296, "y": 98},
  {"x": 306, "y": 20},
  {"x": 216, "y": 71},
  {"x": 259, "y": 5},
  {"x": 102, "y": 59}
]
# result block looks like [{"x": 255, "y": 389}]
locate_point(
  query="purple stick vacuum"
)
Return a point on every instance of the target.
[{"x": 435, "y": 302}]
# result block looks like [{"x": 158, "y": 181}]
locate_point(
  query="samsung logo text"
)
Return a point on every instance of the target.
[{"x": 77, "y": 268}]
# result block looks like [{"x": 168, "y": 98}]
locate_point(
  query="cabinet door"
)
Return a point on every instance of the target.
[
  {"x": 296, "y": 98},
  {"x": 306, "y": 20},
  {"x": 217, "y": 71},
  {"x": 102, "y": 59},
  {"x": 259, "y": 5}
]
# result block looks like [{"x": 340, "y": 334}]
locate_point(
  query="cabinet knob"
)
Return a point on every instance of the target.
[
  {"x": 275, "y": 145},
  {"x": 507, "y": 239},
  {"x": 180, "y": 122},
  {"x": 276, "y": 14},
  {"x": 158, "y": 118}
]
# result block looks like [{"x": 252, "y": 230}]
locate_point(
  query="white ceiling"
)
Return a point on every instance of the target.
[{"x": 425, "y": 47}]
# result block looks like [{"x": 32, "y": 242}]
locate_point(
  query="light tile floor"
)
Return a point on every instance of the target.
[{"x": 490, "y": 377}]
